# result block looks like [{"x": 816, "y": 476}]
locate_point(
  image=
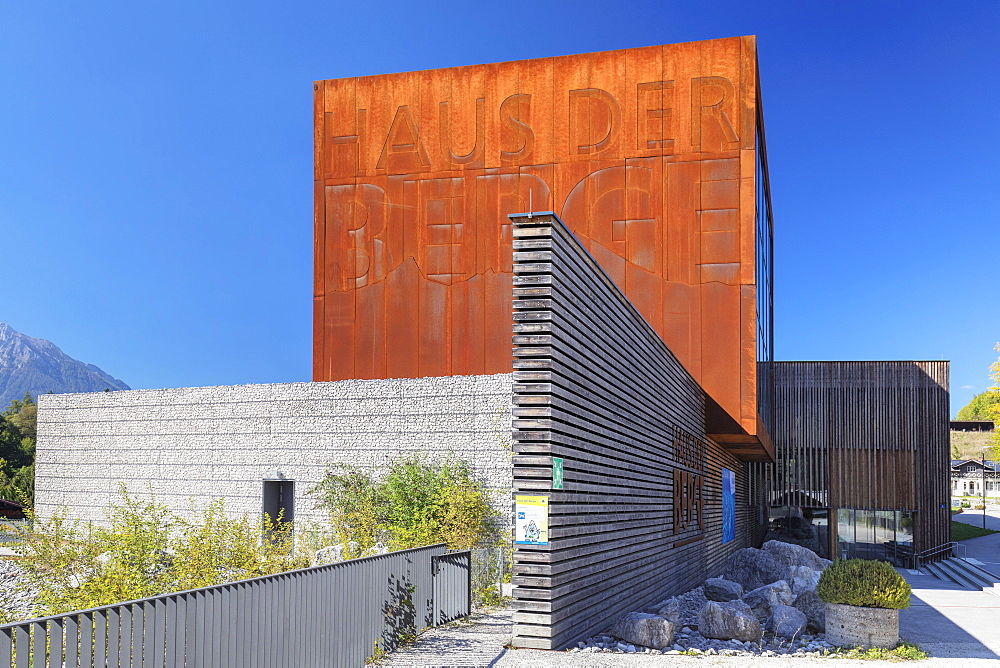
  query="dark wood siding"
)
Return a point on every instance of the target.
[
  {"x": 865, "y": 435},
  {"x": 595, "y": 385}
]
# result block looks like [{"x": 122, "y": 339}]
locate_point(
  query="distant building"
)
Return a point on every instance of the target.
[
  {"x": 972, "y": 425},
  {"x": 969, "y": 475}
]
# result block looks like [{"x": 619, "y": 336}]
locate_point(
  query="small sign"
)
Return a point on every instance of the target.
[
  {"x": 728, "y": 505},
  {"x": 557, "y": 473},
  {"x": 531, "y": 520}
]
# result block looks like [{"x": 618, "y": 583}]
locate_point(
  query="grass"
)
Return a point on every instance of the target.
[
  {"x": 962, "y": 531},
  {"x": 904, "y": 651},
  {"x": 969, "y": 444}
]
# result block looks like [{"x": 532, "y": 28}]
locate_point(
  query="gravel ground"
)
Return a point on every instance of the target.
[
  {"x": 481, "y": 643},
  {"x": 17, "y": 599}
]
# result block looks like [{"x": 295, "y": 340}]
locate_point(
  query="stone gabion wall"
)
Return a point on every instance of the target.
[{"x": 191, "y": 445}]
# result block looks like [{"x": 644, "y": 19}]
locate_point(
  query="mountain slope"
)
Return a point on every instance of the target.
[{"x": 38, "y": 366}]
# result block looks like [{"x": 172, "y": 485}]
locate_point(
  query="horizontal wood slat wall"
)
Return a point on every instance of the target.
[
  {"x": 595, "y": 385},
  {"x": 865, "y": 435}
]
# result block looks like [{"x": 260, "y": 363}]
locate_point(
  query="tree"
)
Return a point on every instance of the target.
[
  {"x": 981, "y": 406},
  {"x": 18, "y": 430},
  {"x": 993, "y": 411}
]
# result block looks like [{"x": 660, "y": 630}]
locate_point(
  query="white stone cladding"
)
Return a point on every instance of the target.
[{"x": 191, "y": 445}]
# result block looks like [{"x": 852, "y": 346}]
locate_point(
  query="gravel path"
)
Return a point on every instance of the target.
[{"x": 481, "y": 643}]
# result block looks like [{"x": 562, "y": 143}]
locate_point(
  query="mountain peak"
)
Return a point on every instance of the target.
[{"x": 38, "y": 366}]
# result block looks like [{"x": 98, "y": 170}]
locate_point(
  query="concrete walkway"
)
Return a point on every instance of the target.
[
  {"x": 986, "y": 549},
  {"x": 950, "y": 622}
]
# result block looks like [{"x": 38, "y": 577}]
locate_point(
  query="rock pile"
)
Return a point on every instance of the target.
[{"x": 765, "y": 603}]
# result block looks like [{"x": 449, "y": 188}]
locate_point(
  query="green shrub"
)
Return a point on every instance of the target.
[
  {"x": 864, "y": 583},
  {"x": 144, "y": 550},
  {"x": 417, "y": 503}
]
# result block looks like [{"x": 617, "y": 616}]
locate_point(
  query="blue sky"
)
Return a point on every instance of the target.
[{"x": 156, "y": 167}]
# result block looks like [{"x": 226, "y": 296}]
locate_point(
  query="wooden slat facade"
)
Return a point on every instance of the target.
[
  {"x": 640, "y": 515},
  {"x": 866, "y": 436}
]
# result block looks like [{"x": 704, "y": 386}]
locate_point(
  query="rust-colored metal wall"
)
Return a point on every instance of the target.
[{"x": 647, "y": 154}]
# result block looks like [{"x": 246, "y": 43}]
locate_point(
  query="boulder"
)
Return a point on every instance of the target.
[
  {"x": 720, "y": 589},
  {"x": 330, "y": 554},
  {"x": 802, "y": 579},
  {"x": 640, "y": 628},
  {"x": 729, "y": 621},
  {"x": 752, "y": 568},
  {"x": 814, "y": 609},
  {"x": 788, "y": 555},
  {"x": 786, "y": 621},
  {"x": 762, "y": 600},
  {"x": 670, "y": 610}
]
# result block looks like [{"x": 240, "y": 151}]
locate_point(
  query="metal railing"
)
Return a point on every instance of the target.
[
  {"x": 335, "y": 615},
  {"x": 920, "y": 558}
]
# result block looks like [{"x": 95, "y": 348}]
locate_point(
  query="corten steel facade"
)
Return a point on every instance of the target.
[{"x": 652, "y": 156}]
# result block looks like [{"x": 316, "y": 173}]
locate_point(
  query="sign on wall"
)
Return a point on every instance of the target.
[
  {"x": 728, "y": 505},
  {"x": 557, "y": 473},
  {"x": 531, "y": 520}
]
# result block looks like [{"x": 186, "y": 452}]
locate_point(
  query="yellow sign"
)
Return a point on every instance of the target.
[{"x": 531, "y": 520}]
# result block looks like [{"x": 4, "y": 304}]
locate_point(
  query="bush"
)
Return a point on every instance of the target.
[
  {"x": 145, "y": 550},
  {"x": 417, "y": 504},
  {"x": 864, "y": 583}
]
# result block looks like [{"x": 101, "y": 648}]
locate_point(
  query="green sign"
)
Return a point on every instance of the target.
[{"x": 557, "y": 473}]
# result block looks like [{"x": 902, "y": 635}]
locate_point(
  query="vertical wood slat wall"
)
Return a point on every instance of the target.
[
  {"x": 595, "y": 385},
  {"x": 865, "y": 435}
]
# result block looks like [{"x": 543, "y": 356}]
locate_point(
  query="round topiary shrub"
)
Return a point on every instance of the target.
[{"x": 864, "y": 583}]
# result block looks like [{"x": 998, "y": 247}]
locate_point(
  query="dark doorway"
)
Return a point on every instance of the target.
[{"x": 279, "y": 503}]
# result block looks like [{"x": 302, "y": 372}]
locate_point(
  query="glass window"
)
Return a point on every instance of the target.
[{"x": 845, "y": 532}]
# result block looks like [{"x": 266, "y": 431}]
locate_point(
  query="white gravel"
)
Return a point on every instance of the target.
[{"x": 17, "y": 597}]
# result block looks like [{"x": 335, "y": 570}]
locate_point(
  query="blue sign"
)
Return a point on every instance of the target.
[{"x": 728, "y": 505}]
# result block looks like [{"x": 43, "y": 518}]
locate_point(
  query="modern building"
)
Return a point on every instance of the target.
[
  {"x": 863, "y": 455},
  {"x": 654, "y": 160},
  {"x": 561, "y": 270}
]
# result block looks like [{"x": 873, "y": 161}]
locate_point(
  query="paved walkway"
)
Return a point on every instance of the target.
[
  {"x": 958, "y": 627},
  {"x": 950, "y": 622},
  {"x": 986, "y": 549}
]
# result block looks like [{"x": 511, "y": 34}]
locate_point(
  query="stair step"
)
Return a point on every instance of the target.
[
  {"x": 983, "y": 578},
  {"x": 956, "y": 574},
  {"x": 962, "y": 572}
]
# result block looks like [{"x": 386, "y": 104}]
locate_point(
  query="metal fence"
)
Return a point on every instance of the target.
[{"x": 329, "y": 616}]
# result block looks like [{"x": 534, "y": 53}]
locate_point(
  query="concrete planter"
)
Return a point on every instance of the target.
[{"x": 849, "y": 626}]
